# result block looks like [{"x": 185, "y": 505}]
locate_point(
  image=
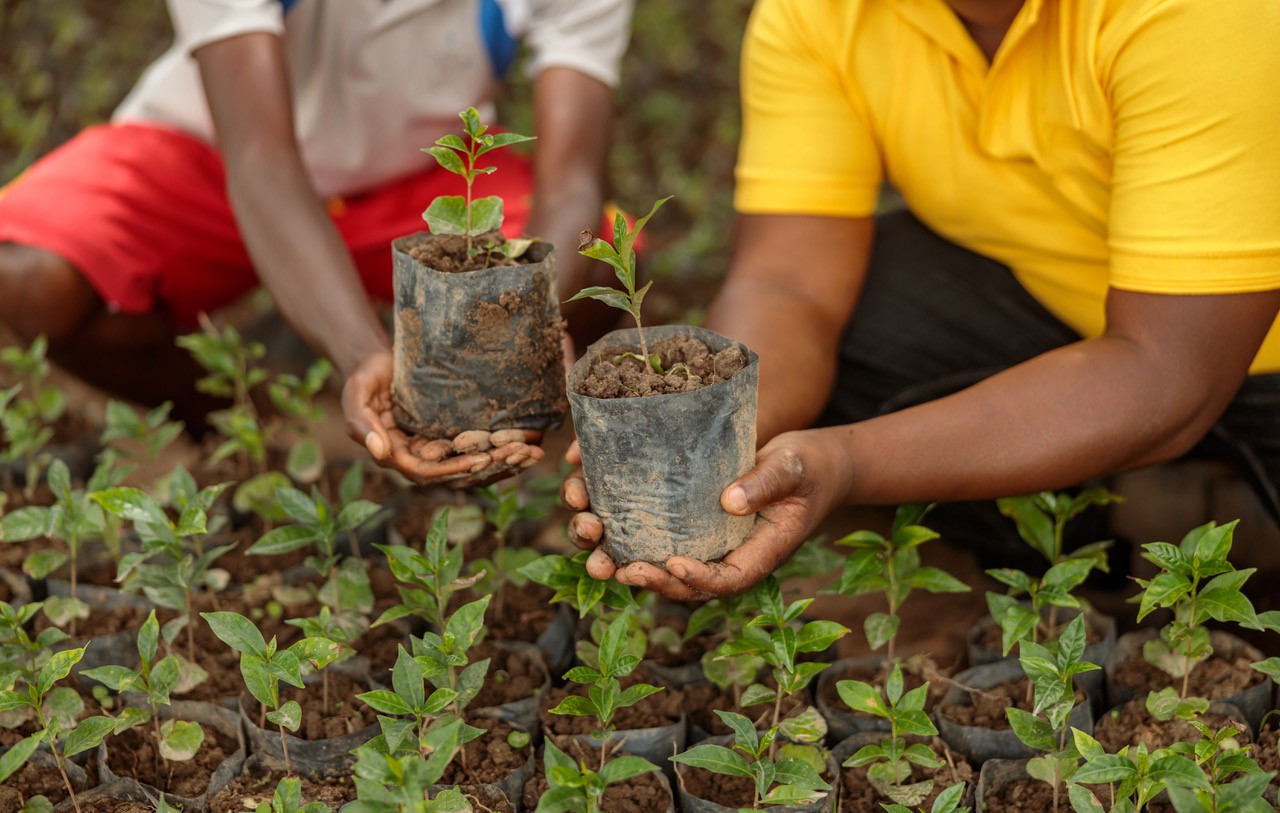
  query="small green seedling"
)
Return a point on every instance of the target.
[
  {"x": 888, "y": 762},
  {"x": 22, "y": 656},
  {"x": 288, "y": 799},
  {"x": 456, "y": 214},
  {"x": 778, "y": 635},
  {"x": 605, "y": 694},
  {"x": 28, "y": 411},
  {"x": 1230, "y": 779},
  {"x": 729, "y": 616},
  {"x": 1181, "y": 585},
  {"x": 603, "y": 601},
  {"x": 785, "y": 781},
  {"x": 263, "y": 666},
  {"x": 140, "y": 438},
  {"x": 946, "y": 802},
  {"x": 892, "y": 566},
  {"x": 572, "y": 787},
  {"x": 1042, "y": 518},
  {"x": 622, "y": 256},
  {"x": 1132, "y": 778},
  {"x": 506, "y": 506},
  {"x": 294, "y": 397},
  {"x": 1052, "y": 670},
  {"x": 155, "y": 680},
  {"x": 428, "y": 579},
  {"x": 173, "y": 564},
  {"x": 38, "y": 698},
  {"x": 402, "y": 784}
]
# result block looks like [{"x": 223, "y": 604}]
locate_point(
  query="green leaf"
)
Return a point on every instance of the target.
[
  {"x": 755, "y": 694},
  {"x": 58, "y": 667},
  {"x": 447, "y": 214},
  {"x": 622, "y": 768},
  {"x": 237, "y": 632},
  {"x": 288, "y": 715},
  {"x": 61, "y": 610},
  {"x": 1104, "y": 769},
  {"x": 1269, "y": 667},
  {"x": 43, "y": 562},
  {"x": 486, "y": 214},
  {"x": 25, "y": 524},
  {"x": 1175, "y": 771},
  {"x": 937, "y": 581},
  {"x": 609, "y": 296},
  {"x": 115, "y": 678},
  {"x": 715, "y": 758},
  {"x": 809, "y": 726},
  {"x": 816, "y": 636},
  {"x": 635, "y": 693},
  {"x": 148, "y": 639},
  {"x": 613, "y": 645},
  {"x": 1163, "y": 591},
  {"x": 880, "y": 629},
  {"x": 18, "y": 754},
  {"x": 180, "y": 740},
  {"x": 88, "y": 734},
  {"x": 576, "y": 706},
  {"x": 448, "y": 159},
  {"x": 1034, "y": 526},
  {"x": 1034, "y": 732},
  {"x": 862, "y": 697},
  {"x": 1222, "y": 600},
  {"x": 386, "y": 702}
]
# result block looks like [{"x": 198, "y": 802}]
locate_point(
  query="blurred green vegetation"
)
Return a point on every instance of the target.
[{"x": 67, "y": 63}]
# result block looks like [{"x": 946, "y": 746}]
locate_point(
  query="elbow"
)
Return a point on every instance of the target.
[{"x": 1176, "y": 437}]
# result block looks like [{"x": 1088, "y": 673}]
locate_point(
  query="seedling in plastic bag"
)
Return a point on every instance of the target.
[
  {"x": 288, "y": 799},
  {"x": 946, "y": 802},
  {"x": 391, "y": 784},
  {"x": 572, "y": 787}
]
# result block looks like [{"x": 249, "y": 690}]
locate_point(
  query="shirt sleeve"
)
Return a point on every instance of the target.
[
  {"x": 590, "y": 36},
  {"x": 1195, "y": 95},
  {"x": 197, "y": 23},
  {"x": 807, "y": 142}
]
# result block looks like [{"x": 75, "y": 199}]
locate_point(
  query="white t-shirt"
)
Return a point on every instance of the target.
[{"x": 374, "y": 81}]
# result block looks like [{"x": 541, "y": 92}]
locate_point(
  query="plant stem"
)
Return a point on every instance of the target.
[
  {"x": 191, "y": 633},
  {"x": 284, "y": 745},
  {"x": 155, "y": 718},
  {"x": 777, "y": 719},
  {"x": 324, "y": 684},
  {"x": 73, "y": 586},
  {"x": 58, "y": 760},
  {"x": 644, "y": 348}
]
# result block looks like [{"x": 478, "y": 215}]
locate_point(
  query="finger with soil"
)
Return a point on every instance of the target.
[
  {"x": 475, "y": 440},
  {"x": 574, "y": 491},
  {"x": 505, "y": 436},
  {"x": 585, "y": 530},
  {"x": 432, "y": 450}
]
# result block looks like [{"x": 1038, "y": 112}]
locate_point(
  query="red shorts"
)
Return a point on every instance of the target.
[{"x": 142, "y": 212}]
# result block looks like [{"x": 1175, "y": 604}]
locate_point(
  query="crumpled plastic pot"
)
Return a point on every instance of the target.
[{"x": 654, "y": 744}]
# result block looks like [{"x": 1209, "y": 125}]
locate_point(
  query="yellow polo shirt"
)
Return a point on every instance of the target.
[{"x": 1125, "y": 143}]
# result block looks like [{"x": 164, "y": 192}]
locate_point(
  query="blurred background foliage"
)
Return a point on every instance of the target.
[{"x": 67, "y": 63}]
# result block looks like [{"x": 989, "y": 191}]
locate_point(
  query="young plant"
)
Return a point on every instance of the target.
[
  {"x": 778, "y": 635},
  {"x": 1051, "y": 671},
  {"x": 1132, "y": 778},
  {"x": 428, "y": 579},
  {"x": 622, "y": 256},
  {"x": 294, "y": 397},
  {"x": 1181, "y": 586},
  {"x": 28, "y": 411},
  {"x": 605, "y": 694},
  {"x": 173, "y": 564},
  {"x": 888, "y": 762},
  {"x": 456, "y": 214},
  {"x": 602, "y": 600},
  {"x": 64, "y": 741},
  {"x": 1229, "y": 780},
  {"x": 72, "y": 520},
  {"x": 786, "y": 781},
  {"x": 22, "y": 656},
  {"x": 572, "y": 787},
  {"x": 176, "y": 740},
  {"x": 506, "y": 506},
  {"x": 946, "y": 802},
  {"x": 140, "y": 438},
  {"x": 1042, "y": 518},
  {"x": 288, "y": 799},
  {"x": 264, "y": 665},
  {"x": 892, "y": 566},
  {"x": 402, "y": 784}
]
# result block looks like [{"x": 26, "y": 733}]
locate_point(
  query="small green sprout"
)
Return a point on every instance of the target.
[
  {"x": 946, "y": 802},
  {"x": 574, "y": 788},
  {"x": 288, "y": 799}
]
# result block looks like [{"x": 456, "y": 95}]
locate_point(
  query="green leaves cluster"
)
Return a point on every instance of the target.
[
  {"x": 28, "y": 410},
  {"x": 572, "y": 584},
  {"x": 288, "y": 799},
  {"x": 622, "y": 256},
  {"x": 892, "y": 566},
  {"x": 572, "y": 787},
  {"x": 427, "y": 579},
  {"x": 1198, "y": 583},
  {"x": 139, "y": 437},
  {"x": 456, "y": 214},
  {"x": 946, "y": 802},
  {"x": 788, "y": 780},
  {"x": 888, "y": 762},
  {"x": 1042, "y": 518},
  {"x": 401, "y": 784}
]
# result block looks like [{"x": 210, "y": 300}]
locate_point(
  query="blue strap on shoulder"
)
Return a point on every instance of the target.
[{"x": 501, "y": 46}]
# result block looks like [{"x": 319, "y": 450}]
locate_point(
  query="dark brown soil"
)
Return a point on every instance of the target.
[
  {"x": 346, "y": 714},
  {"x": 447, "y": 253},
  {"x": 1266, "y": 752},
  {"x": 702, "y": 699},
  {"x": 734, "y": 792},
  {"x": 1131, "y": 725},
  {"x": 511, "y": 677},
  {"x": 488, "y": 758},
  {"x": 244, "y": 567},
  {"x": 526, "y": 612},
  {"x": 630, "y": 378},
  {"x": 856, "y": 793},
  {"x": 31, "y": 780},
  {"x": 253, "y": 787},
  {"x": 655, "y": 711},
  {"x": 120, "y": 806},
  {"x": 133, "y": 754},
  {"x": 690, "y": 651},
  {"x": 1216, "y": 678},
  {"x": 1022, "y": 796},
  {"x": 988, "y": 707},
  {"x": 640, "y": 794},
  {"x": 876, "y": 676}
]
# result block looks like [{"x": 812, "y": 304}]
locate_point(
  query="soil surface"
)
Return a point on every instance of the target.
[
  {"x": 132, "y": 754},
  {"x": 526, "y": 612},
  {"x": 1132, "y": 724},
  {"x": 254, "y": 786},
  {"x": 856, "y": 793},
  {"x": 488, "y": 758},
  {"x": 876, "y": 676},
  {"x": 512, "y": 676},
  {"x": 640, "y": 794},
  {"x": 1216, "y": 678},
  {"x": 690, "y": 651},
  {"x": 346, "y": 714},
  {"x": 987, "y": 708},
  {"x": 31, "y": 780},
  {"x": 655, "y": 711},
  {"x": 630, "y": 378},
  {"x": 244, "y": 567},
  {"x": 702, "y": 699},
  {"x": 1266, "y": 751},
  {"x": 121, "y": 806},
  {"x": 101, "y": 622},
  {"x": 448, "y": 253},
  {"x": 1021, "y": 796}
]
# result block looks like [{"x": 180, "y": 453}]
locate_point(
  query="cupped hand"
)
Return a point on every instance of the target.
[
  {"x": 473, "y": 458},
  {"x": 798, "y": 478}
]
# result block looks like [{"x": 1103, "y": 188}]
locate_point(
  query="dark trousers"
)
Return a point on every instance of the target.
[{"x": 935, "y": 318}]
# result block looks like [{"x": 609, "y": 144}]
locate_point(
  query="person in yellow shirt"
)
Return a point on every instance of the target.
[{"x": 1087, "y": 279}]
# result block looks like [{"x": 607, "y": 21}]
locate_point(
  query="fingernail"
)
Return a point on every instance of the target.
[
  {"x": 736, "y": 499},
  {"x": 679, "y": 571}
]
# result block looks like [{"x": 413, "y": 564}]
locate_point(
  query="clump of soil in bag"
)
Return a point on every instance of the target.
[
  {"x": 448, "y": 253},
  {"x": 511, "y": 676},
  {"x": 987, "y": 707},
  {"x": 876, "y": 675},
  {"x": 630, "y": 378},
  {"x": 31, "y": 780},
  {"x": 255, "y": 786},
  {"x": 487, "y": 758},
  {"x": 1214, "y": 679},
  {"x": 655, "y": 711},
  {"x": 639, "y": 794},
  {"x": 857, "y": 793},
  {"x": 526, "y": 612},
  {"x": 132, "y": 753},
  {"x": 1020, "y": 796},
  {"x": 1266, "y": 751},
  {"x": 702, "y": 699},
  {"x": 1132, "y": 725},
  {"x": 121, "y": 806},
  {"x": 733, "y": 792},
  {"x": 346, "y": 715}
]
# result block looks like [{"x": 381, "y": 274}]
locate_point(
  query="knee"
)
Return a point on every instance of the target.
[{"x": 41, "y": 293}]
